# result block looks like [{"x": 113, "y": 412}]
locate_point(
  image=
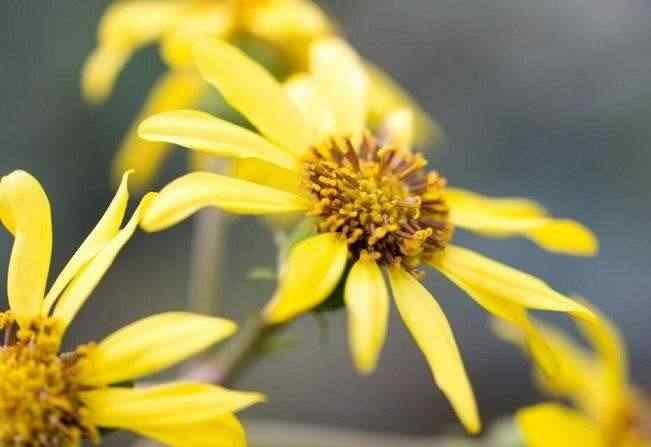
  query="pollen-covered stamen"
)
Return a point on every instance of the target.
[
  {"x": 39, "y": 403},
  {"x": 380, "y": 198}
]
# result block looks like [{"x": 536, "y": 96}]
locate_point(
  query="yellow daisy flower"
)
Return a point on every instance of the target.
[
  {"x": 288, "y": 26},
  {"x": 49, "y": 398},
  {"x": 376, "y": 207},
  {"x": 608, "y": 411}
]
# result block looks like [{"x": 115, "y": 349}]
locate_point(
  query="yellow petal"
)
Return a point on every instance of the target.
[
  {"x": 104, "y": 231},
  {"x": 187, "y": 194},
  {"x": 399, "y": 128},
  {"x": 430, "y": 328},
  {"x": 516, "y": 315},
  {"x": 312, "y": 272},
  {"x": 87, "y": 279},
  {"x": 174, "y": 90},
  {"x": 579, "y": 376},
  {"x": 223, "y": 431},
  {"x": 251, "y": 90},
  {"x": 613, "y": 358},
  {"x": 201, "y": 20},
  {"x": 483, "y": 274},
  {"x": 204, "y": 132},
  {"x": 549, "y": 425},
  {"x": 125, "y": 27},
  {"x": 385, "y": 96},
  {"x": 367, "y": 304},
  {"x": 341, "y": 81},
  {"x": 303, "y": 92},
  {"x": 263, "y": 173},
  {"x": 174, "y": 404},
  {"x": 25, "y": 211},
  {"x": 289, "y": 25},
  {"x": 506, "y": 217},
  {"x": 152, "y": 345}
]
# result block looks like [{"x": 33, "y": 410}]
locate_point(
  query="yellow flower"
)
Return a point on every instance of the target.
[
  {"x": 49, "y": 398},
  {"x": 608, "y": 412},
  {"x": 375, "y": 204},
  {"x": 288, "y": 26}
]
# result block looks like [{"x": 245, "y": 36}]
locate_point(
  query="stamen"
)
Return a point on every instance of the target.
[{"x": 379, "y": 199}]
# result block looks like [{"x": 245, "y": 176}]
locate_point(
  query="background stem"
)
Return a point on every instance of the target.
[{"x": 208, "y": 244}]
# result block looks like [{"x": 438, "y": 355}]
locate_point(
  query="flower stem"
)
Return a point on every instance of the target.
[{"x": 207, "y": 254}]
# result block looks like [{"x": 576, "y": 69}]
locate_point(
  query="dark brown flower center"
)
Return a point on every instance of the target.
[{"x": 380, "y": 198}]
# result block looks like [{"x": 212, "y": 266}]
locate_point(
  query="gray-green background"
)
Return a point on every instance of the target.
[{"x": 546, "y": 99}]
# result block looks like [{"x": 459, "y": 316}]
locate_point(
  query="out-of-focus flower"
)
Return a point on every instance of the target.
[
  {"x": 49, "y": 398},
  {"x": 376, "y": 207},
  {"x": 287, "y": 26},
  {"x": 608, "y": 411}
]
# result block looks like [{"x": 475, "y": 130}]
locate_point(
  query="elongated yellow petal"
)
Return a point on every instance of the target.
[
  {"x": 174, "y": 404},
  {"x": 251, "y": 90},
  {"x": 175, "y": 90},
  {"x": 125, "y": 27},
  {"x": 548, "y": 425},
  {"x": 385, "y": 96},
  {"x": 367, "y": 303},
  {"x": 209, "y": 134},
  {"x": 579, "y": 376},
  {"x": 483, "y": 274},
  {"x": 313, "y": 270},
  {"x": 263, "y": 173},
  {"x": 152, "y": 345},
  {"x": 25, "y": 211},
  {"x": 303, "y": 92},
  {"x": 611, "y": 350},
  {"x": 341, "y": 81},
  {"x": 187, "y": 194},
  {"x": 430, "y": 328},
  {"x": 87, "y": 279},
  {"x": 107, "y": 227},
  {"x": 399, "y": 128},
  {"x": 513, "y": 216},
  {"x": 223, "y": 431},
  {"x": 516, "y": 315}
]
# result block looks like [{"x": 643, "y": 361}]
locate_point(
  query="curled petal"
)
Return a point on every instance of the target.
[
  {"x": 80, "y": 288},
  {"x": 105, "y": 230},
  {"x": 25, "y": 212},
  {"x": 312, "y": 272}
]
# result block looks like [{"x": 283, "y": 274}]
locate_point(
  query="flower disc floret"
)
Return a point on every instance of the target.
[
  {"x": 39, "y": 402},
  {"x": 380, "y": 199}
]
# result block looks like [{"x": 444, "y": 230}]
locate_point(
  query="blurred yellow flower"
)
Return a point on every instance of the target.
[
  {"x": 375, "y": 203},
  {"x": 288, "y": 26},
  {"x": 49, "y": 398},
  {"x": 608, "y": 412}
]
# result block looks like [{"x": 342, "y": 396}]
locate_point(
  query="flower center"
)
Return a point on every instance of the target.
[
  {"x": 380, "y": 198},
  {"x": 39, "y": 404}
]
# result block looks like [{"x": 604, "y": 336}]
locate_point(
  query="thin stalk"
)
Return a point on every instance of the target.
[{"x": 208, "y": 244}]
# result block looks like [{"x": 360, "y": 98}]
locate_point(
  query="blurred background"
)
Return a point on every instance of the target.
[{"x": 549, "y": 100}]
